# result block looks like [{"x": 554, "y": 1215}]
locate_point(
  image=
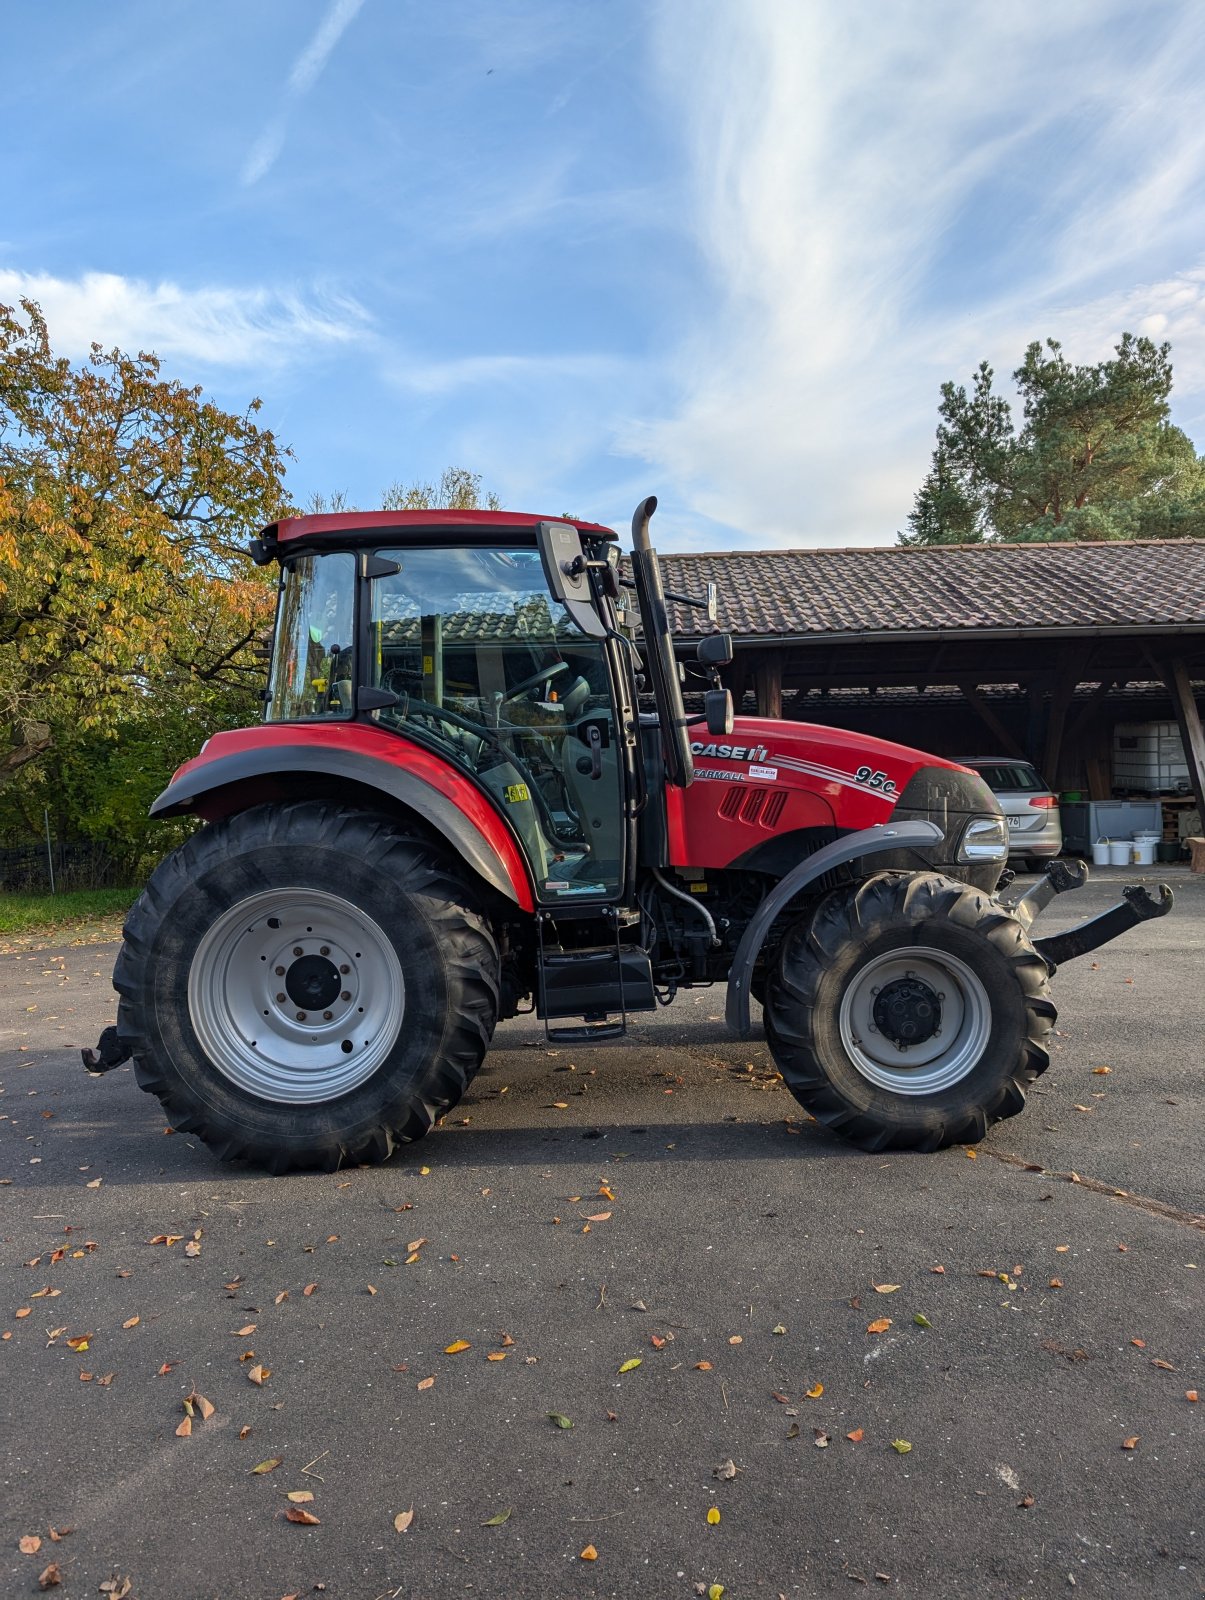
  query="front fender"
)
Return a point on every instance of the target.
[
  {"x": 866, "y": 842},
  {"x": 442, "y": 797}
]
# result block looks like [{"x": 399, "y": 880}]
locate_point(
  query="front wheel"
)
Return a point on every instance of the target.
[
  {"x": 909, "y": 1013},
  {"x": 305, "y": 985}
]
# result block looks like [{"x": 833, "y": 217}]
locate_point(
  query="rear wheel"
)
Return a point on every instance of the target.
[
  {"x": 305, "y": 986},
  {"x": 909, "y": 1013}
]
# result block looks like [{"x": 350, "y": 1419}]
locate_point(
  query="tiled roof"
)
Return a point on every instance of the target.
[{"x": 1149, "y": 583}]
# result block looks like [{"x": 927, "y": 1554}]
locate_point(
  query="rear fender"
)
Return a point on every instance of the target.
[
  {"x": 259, "y": 769},
  {"x": 866, "y": 842}
]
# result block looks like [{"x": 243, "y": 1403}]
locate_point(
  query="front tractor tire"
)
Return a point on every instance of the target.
[
  {"x": 909, "y": 1013},
  {"x": 306, "y": 985}
]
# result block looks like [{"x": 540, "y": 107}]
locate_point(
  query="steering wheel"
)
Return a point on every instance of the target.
[
  {"x": 424, "y": 708},
  {"x": 545, "y": 675}
]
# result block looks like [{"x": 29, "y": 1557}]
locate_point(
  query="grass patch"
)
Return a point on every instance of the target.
[{"x": 43, "y": 913}]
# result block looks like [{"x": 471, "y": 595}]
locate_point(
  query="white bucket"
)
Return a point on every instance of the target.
[
  {"x": 1119, "y": 852},
  {"x": 1100, "y": 853},
  {"x": 1144, "y": 852},
  {"x": 1147, "y": 836}
]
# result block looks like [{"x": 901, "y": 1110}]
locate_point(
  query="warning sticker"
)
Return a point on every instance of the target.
[{"x": 516, "y": 791}]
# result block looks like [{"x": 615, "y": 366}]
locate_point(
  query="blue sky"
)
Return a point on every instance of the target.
[{"x": 724, "y": 251}]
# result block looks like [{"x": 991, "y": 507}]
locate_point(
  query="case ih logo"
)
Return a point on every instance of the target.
[{"x": 729, "y": 752}]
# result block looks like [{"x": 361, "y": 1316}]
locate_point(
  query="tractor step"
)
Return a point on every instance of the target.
[{"x": 593, "y": 982}]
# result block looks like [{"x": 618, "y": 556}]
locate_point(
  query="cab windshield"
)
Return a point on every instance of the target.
[{"x": 312, "y": 655}]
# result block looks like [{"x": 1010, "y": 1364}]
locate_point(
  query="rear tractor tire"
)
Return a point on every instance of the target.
[
  {"x": 909, "y": 1013},
  {"x": 306, "y": 985}
]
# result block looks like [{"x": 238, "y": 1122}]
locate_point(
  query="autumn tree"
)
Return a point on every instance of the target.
[
  {"x": 126, "y": 499},
  {"x": 1095, "y": 455},
  {"x": 458, "y": 489}
]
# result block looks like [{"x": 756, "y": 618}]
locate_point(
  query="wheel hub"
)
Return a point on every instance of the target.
[
  {"x": 907, "y": 1011},
  {"x": 313, "y": 983}
]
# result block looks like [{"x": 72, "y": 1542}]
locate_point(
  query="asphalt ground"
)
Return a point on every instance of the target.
[{"x": 663, "y": 1200}]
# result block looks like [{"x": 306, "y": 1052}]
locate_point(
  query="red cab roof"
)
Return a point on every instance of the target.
[{"x": 334, "y": 523}]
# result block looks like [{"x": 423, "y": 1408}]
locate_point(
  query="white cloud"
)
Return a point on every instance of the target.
[
  {"x": 214, "y": 325},
  {"x": 306, "y": 71},
  {"x": 838, "y": 157}
]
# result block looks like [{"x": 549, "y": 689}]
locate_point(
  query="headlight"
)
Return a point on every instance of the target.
[{"x": 985, "y": 839}]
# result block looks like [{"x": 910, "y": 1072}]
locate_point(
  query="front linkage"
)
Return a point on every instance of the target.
[{"x": 1136, "y": 905}]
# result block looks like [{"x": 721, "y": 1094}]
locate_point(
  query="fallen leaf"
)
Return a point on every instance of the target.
[
  {"x": 599, "y": 1216},
  {"x": 589, "y": 1554},
  {"x": 309, "y": 1289},
  {"x": 456, "y": 1347},
  {"x": 283, "y": 1295},
  {"x": 716, "y": 1592},
  {"x": 424, "y": 1172},
  {"x": 25, "y": 1311},
  {"x": 1131, "y": 1443},
  {"x": 605, "y": 1192},
  {"x": 107, "y": 1380},
  {"x": 1139, "y": 1343},
  {"x": 205, "y": 1407},
  {"x": 244, "y": 1430},
  {"x": 632, "y": 1364},
  {"x": 901, "y": 1445},
  {"x": 778, "y": 1329},
  {"x": 50, "y": 1576},
  {"x": 736, "y": 1339},
  {"x": 972, "y": 1155},
  {"x": 855, "y": 1437},
  {"x": 1025, "y": 1502},
  {"x": 702, "y": 1366},
  {"x": 498, "y": 1518},
  {"x": 939, "y": 1270},
  {"x": 1061, "y": 1249},
  {"x": 1101, "y": 1072},
  {"x": 1056, "y": 1283},
  {"x": 185, "y": 1429},
  {"x": 1191, "y": 1394},
  {"x": 241, "y": 1333},
  {"x": 299, "y": 1514},
  {"x": 95, "y": 1184},
  {"x": 193, "y": 1247},
  {"x": 726, "y": 1470},
  {"x": 505, "y": 1340},
  {"x": 559, "y": 1421},
  {"x": 29, "y": 1544},
  {"x": 131, "y": 1322},
  {"x": 425, "y": 1383},
  {"x": 1164, "y": 1366},
  {"x": 815, "y": 1391},
  {"x": 713, "y": 1515},
  {"x": 259, "y": 1374},
  {"x": 371, "y": 1287},
  {"x": 270, "y": 1465},
  {"x": 403, "y": 1520},
  {"x": 301, "y": 1497},
  {"x": 416, "y": 1244},
  {"x": 885, "y": 1288},
  {"x": 496, "y": 1355},
  {"x": 821, "y": 1439},
  {"x": 657, "y": 1342},
  {"x": 879, "y": 1325}
]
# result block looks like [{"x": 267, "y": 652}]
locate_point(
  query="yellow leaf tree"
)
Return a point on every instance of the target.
[{"x": 125, "y": 501}]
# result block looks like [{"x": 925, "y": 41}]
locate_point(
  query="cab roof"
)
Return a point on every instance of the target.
[{"x": 335, "y": 525}]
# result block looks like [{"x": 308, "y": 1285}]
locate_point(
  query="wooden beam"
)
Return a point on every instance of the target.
[
  {"x": 1089, "y": 708},
  {"x": 768, "y": 677},
  {"x": 1007, "y": 743},
  {"x": 1179, "y": 685},
  {"x": 1060, "y": 702}
]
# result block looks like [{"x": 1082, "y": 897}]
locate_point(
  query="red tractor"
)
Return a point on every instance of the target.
[{"x": 455, "y": 810}]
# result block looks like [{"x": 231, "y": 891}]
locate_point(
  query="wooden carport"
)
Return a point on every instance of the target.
[{"x": 1029, "y": 650}]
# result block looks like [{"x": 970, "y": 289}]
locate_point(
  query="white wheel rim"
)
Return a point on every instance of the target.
[
  {"x": 296, "y": 996},
  {"x": 934, "y": 1063}
]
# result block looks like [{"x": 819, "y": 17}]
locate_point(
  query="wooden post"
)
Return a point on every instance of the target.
[
  {"x": 768, "y": 677},
  {"x": 1179, "y": 685},
  {"x": 1060, "y": 704}
]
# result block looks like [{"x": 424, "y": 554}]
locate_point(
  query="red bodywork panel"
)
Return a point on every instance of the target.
[
  {"x": 389, "y": 748},
  {"x": 779, "y": 776}
]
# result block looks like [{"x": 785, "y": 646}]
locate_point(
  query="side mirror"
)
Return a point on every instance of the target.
[
  {"x": 717, "y": 705},
  {"x": 566, "y": 574},
  {"x": 715, "y": 650}
]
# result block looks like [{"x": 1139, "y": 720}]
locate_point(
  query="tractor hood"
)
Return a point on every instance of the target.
[{"x": 770, "y": 791}]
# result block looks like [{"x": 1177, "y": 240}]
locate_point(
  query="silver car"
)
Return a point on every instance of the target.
[{"x": 1035, "y": 830}]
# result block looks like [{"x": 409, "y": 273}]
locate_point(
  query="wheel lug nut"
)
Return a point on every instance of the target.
[
  {"x": 280, "y": 972},
  {"x": 345, "y": 970},
  {"x": 325, "y": 950},
  {"x": 281, "y": 998},
  {"x": 297, "y": 950},
  {"x": 346, "y": 995},
  {"x": 301, "y": 1016},
  {"x": 327, "y": 1015}
]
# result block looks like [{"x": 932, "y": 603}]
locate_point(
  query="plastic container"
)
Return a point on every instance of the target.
[
  {"x": 1119, "y": 852},
  {"x": 1144, "y": 852},
  {"x": 1100, "y": 853},
  {"x": 1147, "y": 835},
  {"x": 1167, "y": 850}
]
